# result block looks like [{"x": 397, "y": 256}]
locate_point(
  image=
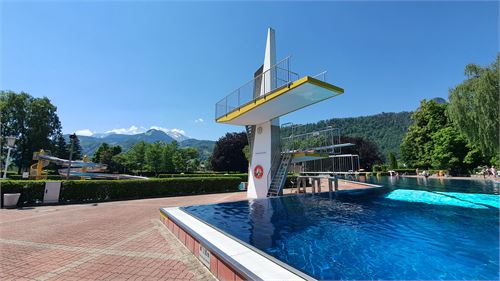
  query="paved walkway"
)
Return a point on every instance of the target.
[
  {"x": 107, "y": 241},
  {"x": 122, "y": 240}
]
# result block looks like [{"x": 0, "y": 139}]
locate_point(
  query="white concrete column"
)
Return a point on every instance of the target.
[
  {"x": 266, "y": 135},
  {"x": 261, "y": 157},
  {"x": 269, "y": 81}
]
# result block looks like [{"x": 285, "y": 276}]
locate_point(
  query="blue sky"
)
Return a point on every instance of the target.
[{"x": 113, "y": 65}]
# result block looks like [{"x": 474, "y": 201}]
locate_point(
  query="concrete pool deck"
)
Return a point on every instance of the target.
[{"x": 122, "y": 240}]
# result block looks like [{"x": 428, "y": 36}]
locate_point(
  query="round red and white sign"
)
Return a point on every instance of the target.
[{"x": 258, "y": 172}]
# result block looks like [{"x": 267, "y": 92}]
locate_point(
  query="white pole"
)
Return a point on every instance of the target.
[{"x": 7, "y": 162}]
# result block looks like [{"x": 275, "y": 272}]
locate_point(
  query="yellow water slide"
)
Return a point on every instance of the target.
[{"x": 36, "y": 170}]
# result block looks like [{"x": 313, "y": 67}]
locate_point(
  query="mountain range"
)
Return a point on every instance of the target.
[
  {"x": 90, "y": 144},
  {"x": 385, "y": 129}
]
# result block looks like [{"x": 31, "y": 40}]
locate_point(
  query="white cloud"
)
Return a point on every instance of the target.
[
  {"x": 84, "y": 132},
  {"x": 132, "y": 130},
  {"x": 174, "y": 130},
  {"x": 199, "y": 120}
]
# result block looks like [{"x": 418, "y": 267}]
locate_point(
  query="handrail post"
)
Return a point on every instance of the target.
[{"x": 288, "y": 69}]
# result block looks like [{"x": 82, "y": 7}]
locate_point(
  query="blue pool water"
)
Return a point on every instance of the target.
[{"x": 371, "y": 235}]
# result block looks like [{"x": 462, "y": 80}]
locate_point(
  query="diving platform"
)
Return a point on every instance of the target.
[
  {"x": 281, "y": 101},
  {"x": 275, "y": 91}
]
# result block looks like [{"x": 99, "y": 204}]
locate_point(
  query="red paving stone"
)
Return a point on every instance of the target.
[
  {"x": 107, "y": 241},
  {"x": 122, "y": 240}
]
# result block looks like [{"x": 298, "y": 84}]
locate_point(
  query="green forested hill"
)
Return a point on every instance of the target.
[{"x": 385, "y": 129}]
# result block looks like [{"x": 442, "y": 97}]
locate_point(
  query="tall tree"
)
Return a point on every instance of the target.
[
  {"x": 186, "y": 159},
  {"x": 33, "y": 121},
  {"x": 367, "y": 150},
  {"x": 105, "y": 154},
  {"x": 450, "y": 149},
  {"x": 474, "y": 107},
  {"x": 61, "y": 147},
  {"x": 138, "y": 155},
  {"x": 393, "y": 162},
  {"x": 77, "y": 149},
  {"x": 435, "y": 141},
  {"x": 228, "y": 153},
  {"x": 167, "y": 164},
  {"x": 417, "y": 145},
  {"x": 153, "y": 156},
  {"x": 99, "y": 153}
]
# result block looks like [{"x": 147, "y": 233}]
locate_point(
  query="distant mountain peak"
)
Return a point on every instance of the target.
[{"x": 176, "y": 134}]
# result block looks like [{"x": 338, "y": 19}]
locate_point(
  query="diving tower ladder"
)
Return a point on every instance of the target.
[{"x": 279, "y": 179}]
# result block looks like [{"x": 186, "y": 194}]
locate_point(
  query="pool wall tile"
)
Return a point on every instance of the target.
[
  {"x": 176, "y": 230},
  {"x": 170, "y": 225},
  {"x": 213, "y": 264},
  {"x": 196, "y": 249},
  {"x": 224, "y": 273},
  {"x": 190, "y": 243},
  {"x": 182, "y": 236}
]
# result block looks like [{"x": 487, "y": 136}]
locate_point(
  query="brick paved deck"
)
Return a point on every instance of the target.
[
  {"x": 122, "y": 240},
  {"x": 107, "y": 241}
]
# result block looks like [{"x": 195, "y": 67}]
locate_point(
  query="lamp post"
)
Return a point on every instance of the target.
[
  {"x": 11, "y": 141},
  {"x": 72, "y": 138}
]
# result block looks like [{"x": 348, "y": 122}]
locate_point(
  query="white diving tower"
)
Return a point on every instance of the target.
[{"x": 275, "y": 91}]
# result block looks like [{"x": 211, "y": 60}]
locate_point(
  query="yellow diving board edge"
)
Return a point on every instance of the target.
[{"x": 278, "y": 92}]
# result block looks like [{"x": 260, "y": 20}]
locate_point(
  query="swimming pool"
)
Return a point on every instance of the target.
[{"x": 369, "y": 235}]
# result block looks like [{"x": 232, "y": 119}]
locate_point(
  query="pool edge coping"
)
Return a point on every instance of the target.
[{"x": 291, "y": 272}]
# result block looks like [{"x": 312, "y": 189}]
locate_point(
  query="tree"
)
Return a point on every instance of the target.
[
  {"x": 435, "y": 141},
  {"x": 186, "y": 159},
  {"x": 138, "y": 155},
  {"x": 417, "y": 145},
  {"x": 33, "y": 121},
  {"x": 367, "y": 150},
  {"x": 474, "y": 107},
  {"x": 167, "y": 164},
  {"x": 393, "y": 162},
  {"x": 105, "y": 154},
  {"x": 122, "y": 162},
  {"x": 61, "y": 148},
  {"x": 449, "y": 151},
  {"x": 98, "y": 154},
  {"x": 228, "y": 153},
  {"x": 154, "y": 157},
  {"x": 77, "y": 149}
]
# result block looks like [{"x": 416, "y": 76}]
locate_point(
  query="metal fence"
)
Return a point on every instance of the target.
[
  {"x": 277, "y": 76},
  {"x": 304, "y": 137}
]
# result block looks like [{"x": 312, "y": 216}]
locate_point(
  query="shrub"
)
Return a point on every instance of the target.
[
  {"x": 31, "y": 191},
  {"x": 377, "y": 168},
  {"x": 242, "y": 176},
  {"x": 131, "y": 189},
  {"x": 104, "y": 190}
]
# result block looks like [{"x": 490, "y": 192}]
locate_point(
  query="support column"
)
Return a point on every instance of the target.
[{"x": 266, "y": 144}]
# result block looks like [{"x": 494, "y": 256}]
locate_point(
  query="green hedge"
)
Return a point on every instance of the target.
[
  {"x": 104, "y": 190},
  {"x": 31, "y": 191},
  {"x": 413, "y": 171},
  {"x": 242, "y": 176}
]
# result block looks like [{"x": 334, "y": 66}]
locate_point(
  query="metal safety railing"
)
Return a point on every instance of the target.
[
  {"x": 301, "y": 138},
  {"x": 277, "y": 76}
]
